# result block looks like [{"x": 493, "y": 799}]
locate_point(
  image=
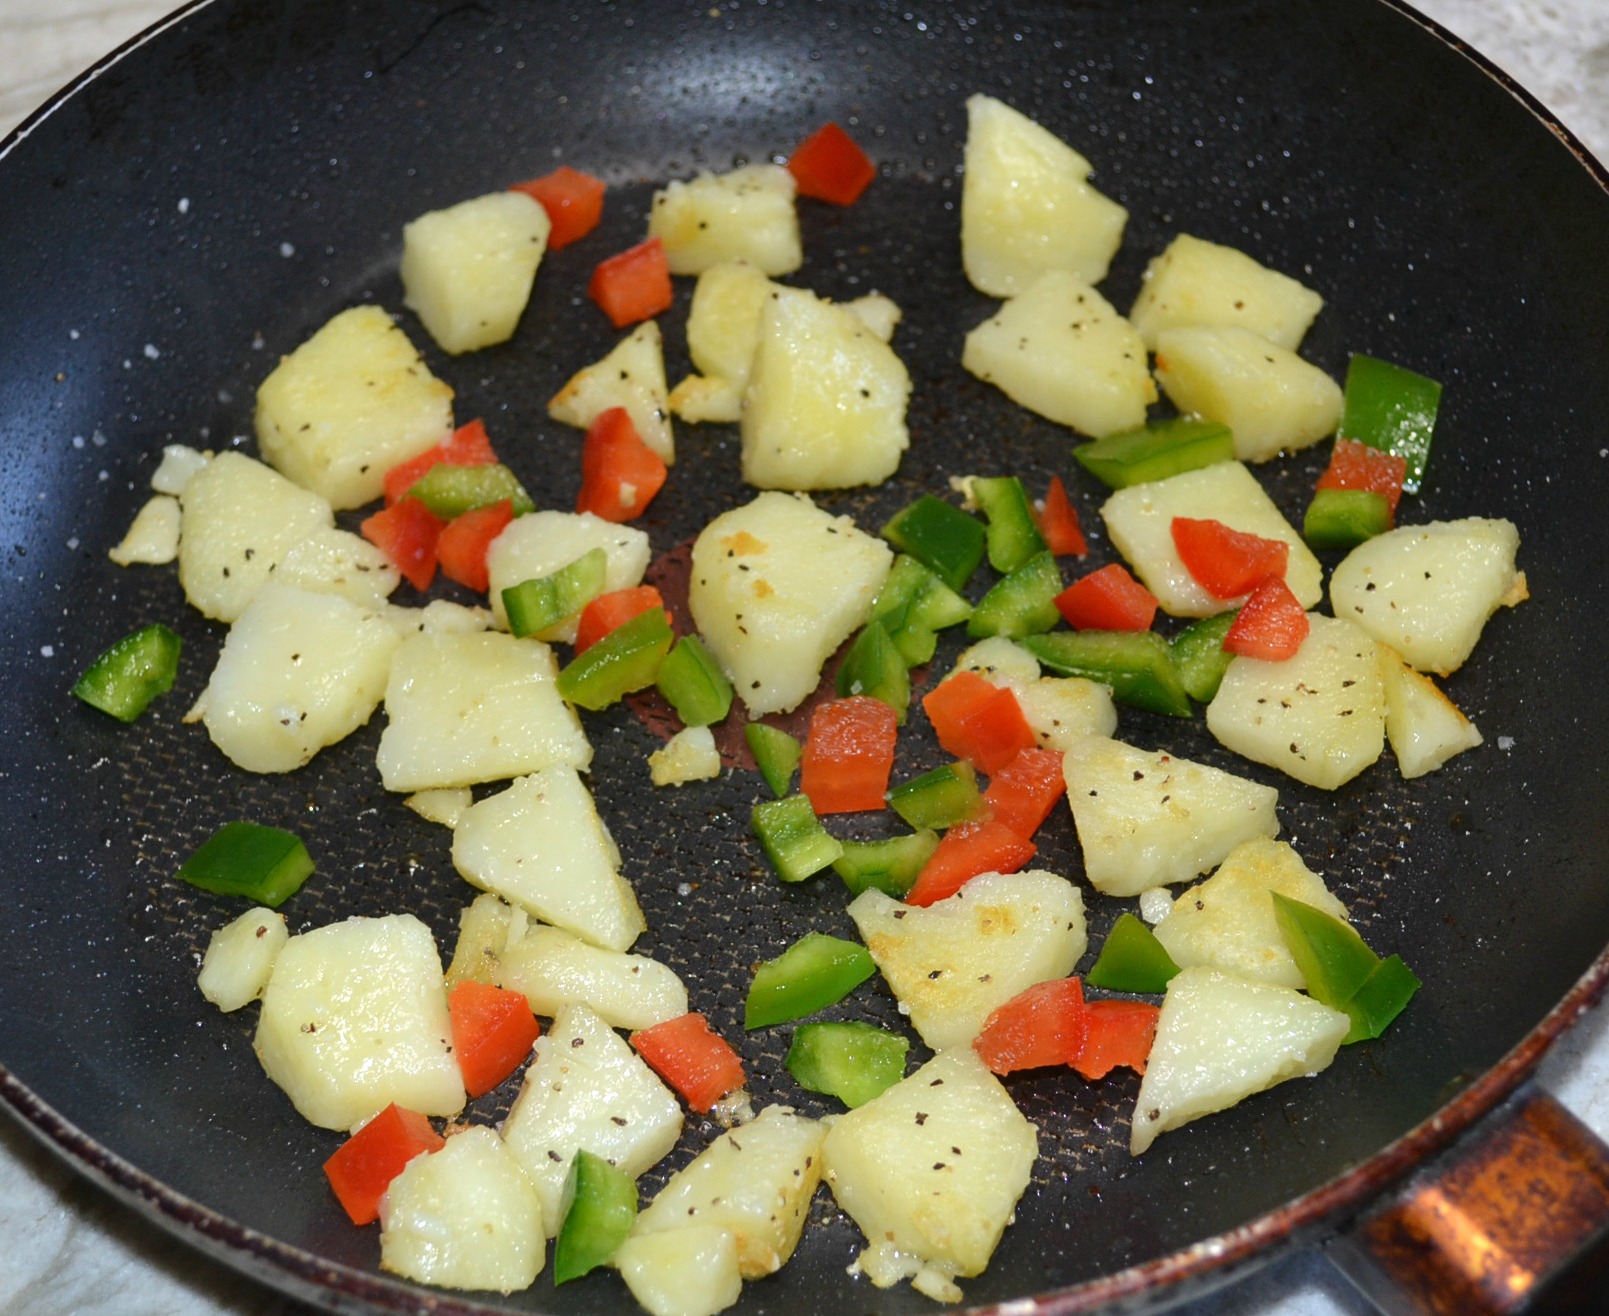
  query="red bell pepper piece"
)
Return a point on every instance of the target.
[
  {"x": 698, "y": 1063},
  {"x": 977, "y": 721},
  {"x": 1227, "y": 562},
  {"x": 1115, "y": 1033},
  {"x": 829, "y": 166},
  {"x": 363, "y": 1166},
  {"x": 634, "y": 285},
  {"x": 1355, "y": 465},
  {"x": 1022, "y": 794},
  {"x": 493, "y": 1031},
  {"x": 1107, "y": 600},
  {"x": 407, "y": 533},
  {"x": 1058, "y": 522},
  {"x": 1042, "y": 1025},
  {"x": 620, "y": 474},
  {"x": 1271, "y": 624},
  {"x": 967, "y": 849},
  {"x": 468, "y": 445},
  {"x": 461, "y": 547},
  {"x": 573, "y": 200},
  {"x": 609, "y": 611},
  {"x": 848, "y": 755}
]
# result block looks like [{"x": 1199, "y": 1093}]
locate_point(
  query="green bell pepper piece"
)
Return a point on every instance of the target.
[
  {"x": 850, "y": 1060},
  {"x": 1340, "y": 969},
  {"x": 534, "y": 605},
  {"x": 1199, "y": 656},
  {"x": 793, "y": 838},
  {"x": 127, "y": 677},
  {"x": 1135, "y": 665},
  {"x": 1131, "y": 959},
  {"x": 874, "y": 666},
  {"x": 940, "y": 798},
  {"x": 913, "y": 606},
  {"x": 1020, "y": 604},
  {"x": 1383, "y": 996},
  {"x": 1344, "y": 518},
  {"x": 694, "y": 684},
  {"x": 941, "y": 536},
  {"x": 776, "y": 754},
  {"x": 266, "y": 865},
  {"x": 626, "y": 659},
  {"x": 1156, "y": 451},
  {"x": 890, "y": 865},
  {"x": 597, "y": 1211},
  {"x": 450, "y": 491},
  {"x": 1012, "y": 535},
  {"x": 813, "y": 973},
  {"x": 1392, "y": 409}
]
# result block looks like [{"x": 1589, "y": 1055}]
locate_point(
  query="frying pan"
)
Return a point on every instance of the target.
[{"x": 217, "y": 191}]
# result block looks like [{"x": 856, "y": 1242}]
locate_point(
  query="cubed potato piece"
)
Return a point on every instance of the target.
[
  {"x": 825, "y": 404},
  {"x": 152, "y": 538},
  {"x": 465, "y": 708},
  {"x": 631, "y": 376},
  {"x": 1221, "y": 1038},
  {"x": 540, "y": 845},
  {"x": 298, "y": 671},
  {"x": 1228, "y": 921},
  {"x": 755, "y": 1181},
  {"x": 1320, "y": 716},
  {"x": 777, "y": 585},
  {"x": 585, "y": 1088},
  {"x": 746, "y": 214},
  {"x": 553, "y": 967},
  {"x": 238, "y": 521},
  {"x": 954, "y": 962},
  {"x": 1427, "y": 590},
  {"x": 334, "y": 561},
  {"x": 931, "y": 1170},
  {"x": 464, "y": 1217},
  {"x": 1199, "y": 283},
  {"x": 355, "y": 1017},
  {"x": 544, "y": 542},
  {"x": 467, "y": 271},
  {"x": 1059, "y": 709},
  {"x": 1140, "y": 522},
  {"x": 1060, "y": 349},
  {"x": 692, "y": 1272},
  {"x": 240, "y": 956},
  {"x": 1000, "y": 661},
  {"x": 1271, "y": 399},
  {"x": 1027, "y": 205},
  {"x": 689, "y": 755},
  {"x": 179, "y": 462},
  {"x": 723, "y": 329},
  {"x": 484, "y": 928},
  {"x": 1146, "y": 818},
  {"x": 350, "y": 403},
  {"x": 1423, "y": 726}
]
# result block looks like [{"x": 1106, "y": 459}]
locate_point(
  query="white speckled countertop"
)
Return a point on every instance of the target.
[{"x": 70, "y": 1249}]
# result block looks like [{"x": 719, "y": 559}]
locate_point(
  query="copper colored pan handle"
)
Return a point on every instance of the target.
[{"x": 1493, "y": 1225}]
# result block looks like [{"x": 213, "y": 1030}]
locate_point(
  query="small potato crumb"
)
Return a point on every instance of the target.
[{"x": 689, "y": 755}]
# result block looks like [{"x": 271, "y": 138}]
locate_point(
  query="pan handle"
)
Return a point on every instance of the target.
[{"x": 1512, "y": 1218}]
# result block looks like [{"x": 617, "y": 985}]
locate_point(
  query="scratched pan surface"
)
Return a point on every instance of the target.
[{"x": 221, "y": 188}]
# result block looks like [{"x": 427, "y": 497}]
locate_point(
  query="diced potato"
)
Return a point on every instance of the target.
[
  {"x": 484, "y": 928},
  {"x": 467, "y": 271},
  {"x": 1319, "y": 716},
  {"x": 350, "y": 403},
  {"x": 585, "y": 1088},
  {"x": 334, "y": 561},
  {"x": 692, "y": 1272},
  {"x": 1222, "y": 1037},
  {"x": 540, "y": 845},
  {"x": 723, "y": 329},
  {"x": 747, "y": 214},
  {"x": 689, "y": 755},
  {"x": 777, "y": 585},
  {"x": 1427, "y": 590},
  {"x": 1059, "y": 709},
  {"x": 179, "y": 462},
  {"x": 878, "y": 313},
  {"x": 954, "y": 962},
  {"x": 1228, "y": 921},
  {"x": 152, "y": 538},
  {"x": 355, "y": 1017},
  {"x": 298, "y": 671},
  {"x": 1271, "y": 399},
  {"x": 1200, "y": 283},
  {"x": 1060, "y": 349},
  {"x": 1027, "y": 206},
  {"x": 631, "y": 376},
  {"x": 464, "y": 1217},
  {"x": 240, "y": 956},
  {"x": 1146, "y": 818},
  {"x": 544, "y": 542},
  {"x": 825, "y": 405},
  {"x": 465, "y": 708},
  {"x": 1424, "y": 727},
  {"x": 1000, "y": 661},
  {"x": 931, "y": 1170},
  {"x": 1140, "y": 522},
  {"x": 444, "y": 804},
  {"x": 439, "y": 617},
  {"x": 553, "y": 967},
  {"x": 1156, "y": 903}
]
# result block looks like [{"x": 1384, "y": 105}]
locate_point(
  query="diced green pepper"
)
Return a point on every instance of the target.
[
  {"x": 793, "y": 838},
  {"x": 1022, "y": 603},
  {"x": 776, "y": 754},
  {"x": 1156, "y": 451},
  {"x": 450, "y": 491},
  {"x": 1340, "y": 969},
  {"x": 694, "y": 684},
  {"x": 813, "y": 973},
  {"x": 266, "y": 865},
  {"x": 1393, "y": 409},
  {"x": 1199, "y": 655},
  {"x": 1383, "y": 996},
  {"x": 889, "y": 865},
  {"x": 940, "y": 798},
  {"x": 874, "y": 666},
  {"x": 626, "y": 659},
  {"x": 941, "y": 536},
  {"x": 913, "y": 606},
  {"x": 133, "y": 672},
  {"x": 598, "y": 1208},
  {"x": 1344, "y": 518},
  {"x": 1134, "y": 665},
  {"x": 1131, "y": 959},
  {"x": 534, "y": 605},
  {"x": 1012, "y": 534},
  {"x": 850, "y": 1060}
]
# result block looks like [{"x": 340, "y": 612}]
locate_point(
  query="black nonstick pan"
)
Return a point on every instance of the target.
[{"x": 216, "y": 191}]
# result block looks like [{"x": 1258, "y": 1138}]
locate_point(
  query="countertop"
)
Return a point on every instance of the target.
[{"x": 72, "y": 1250}]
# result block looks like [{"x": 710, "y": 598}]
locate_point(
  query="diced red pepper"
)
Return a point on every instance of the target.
[
  {"x": 363, "y": 1166},
  {"x": 967, "y": 849},
  {"x": 493, "y": 1032},
  {"x": 829, "y": 166},
  {"x": 1042, "y": 1025},
  {"x": 573, "y": 200},
  {"x": 1271, "y": 624},
  {"x": 407, "y": 533},
  {"x": 1058, "y": 522},
  {"x": 977, "y": 721},
  {"x": 468, "y": 445},
  {"x": 1107, "y": 600},
  {"x": 1355, "y": 465},
  {"x": 620, "y": 474},
  {"x": 612, "y": 610},
  {"x": 461, "y": 548},
  {"x": 633, "y": 286},
  {"x": 848, "y": 755},
  {"x": 698, "y": 1063},
  {"x": 1116, "y": 1033},
  {"x": 1224, "y": 561},
  {"x": 1022, "y": 794}
]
